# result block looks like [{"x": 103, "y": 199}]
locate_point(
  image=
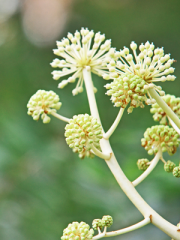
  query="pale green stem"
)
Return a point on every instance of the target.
[
  {"x": 174, "y": 126},
  {"x": 115, "y": 124},
  {"x": 149, "y": 169},
  {"x": 100, "y": 154},
  {"x": 124, "y": 230},
  {"x": 164, "y": 106},
  {"x": 125, "y": 184},
  {"x": 60, "y": 117}
]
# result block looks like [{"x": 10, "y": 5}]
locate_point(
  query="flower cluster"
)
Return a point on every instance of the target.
[
  {"x": 106, "y": 221},
  {"x": 128, "y": 89},
  {"x": 159, "y": 114},
  {"x": 160, "y": 136},
  {"x": 176, "y": 172},
  {"x": 143, "y": 164},
  {"x": 83, "y": 132},
  {"x": 150, "y": 64},
  {"x": 97, "y": 223},
  {"x": 79, "y": 52},
  {"x": 77, "y": 231},
  {"x": 169, "y": 166},
  {"x": 43, "y": 103}
]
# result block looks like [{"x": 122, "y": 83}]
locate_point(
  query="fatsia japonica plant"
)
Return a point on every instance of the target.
[{"x": 133, "y": 76}]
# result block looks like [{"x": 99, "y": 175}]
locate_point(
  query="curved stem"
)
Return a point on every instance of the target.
[
  {"x": 149, "y": 169},
  {"x": 60, "y": 117},
  {"x": 174, "y": 125},
  {"x": 164, "y": 106},
  {"x": 124, "y": 230},
  {"x": 123, "y": 181},
  {"x": 100, "y": 154},
  {"x": 115, "y": 124}
]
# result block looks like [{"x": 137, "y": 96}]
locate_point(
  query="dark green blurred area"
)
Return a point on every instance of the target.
[{"x": 43, "y": 185}]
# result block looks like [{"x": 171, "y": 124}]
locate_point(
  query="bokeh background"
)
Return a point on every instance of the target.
[{"x": 43, "y": 185}]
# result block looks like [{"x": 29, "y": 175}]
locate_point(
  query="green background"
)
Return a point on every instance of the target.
[{"x": 43, "y": 185}]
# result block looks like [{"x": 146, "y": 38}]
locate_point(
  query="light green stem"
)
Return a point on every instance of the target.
[
  {"x": 174, "y": 126},
  {"x": 164, "y": 106},
  {"x": 124, "y": 230},
  {"x": 60, "y": 117},
  {"x": 100, "y": 154},
  {"x": 119, "y": 175},
  {"x": 115, "y": 124},
  {"x": 149, "y": 169}
]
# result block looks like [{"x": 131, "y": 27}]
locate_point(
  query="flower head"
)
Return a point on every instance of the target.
[
  {"x": 143, "y": 164},
  {"x": 160, "y": 136},
  {"x": 159, "y": 114},
  {"x": 169, "y": 166},
  {"x": 107, "y": 221},
  {"x": 79, "y": 51},
  {"x": 97, "y": 223},
  {"x": 150, "y": 64},
  {"x": 81, "y": 133},
  {"x": 77, "y": 231},
  {"x": 176, "y": 171},
  {"x": 43, "y": 103}
]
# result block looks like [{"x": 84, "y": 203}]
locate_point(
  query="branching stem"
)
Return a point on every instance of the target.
[
  {"x": 149, "y": 169},
  {"x": 60, "y": 117},
  {"x": 174, "y": 126}
]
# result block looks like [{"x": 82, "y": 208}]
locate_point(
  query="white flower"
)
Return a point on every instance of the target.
[
  {"x": 150, "y": 64},
  {"x": 79, "y": 52}
]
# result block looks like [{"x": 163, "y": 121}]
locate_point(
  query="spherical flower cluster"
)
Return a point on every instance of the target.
[
  {"x": 128, "y": 88},
  {"x": 97, "y": 223},
  {"x": 160, "y": 136},
  {"x": 83, "y": 132},
  {"x": 150, "y": 64},
  {"x": 79, "y": 51},
  {"x": 176, "y": 172},
  {"x": 143, "y": 164},
  {"x": 77, "y": 231},
  {"x": 107, "y": 220},
  {"x": 159, "y": 114},
  {"x": 43, "y": 103},
  {"x": 169, "y": 166}
]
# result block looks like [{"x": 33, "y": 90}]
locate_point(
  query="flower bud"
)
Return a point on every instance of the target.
[
  {"x": 143, "y": 164},
  {"x": 107, "y": 221},
  {"x": 169, "y": 166},
  {"x": 176, "y": 172}
]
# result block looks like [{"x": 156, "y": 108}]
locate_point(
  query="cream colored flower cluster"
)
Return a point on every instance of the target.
[{"x": 83, "y": 132}]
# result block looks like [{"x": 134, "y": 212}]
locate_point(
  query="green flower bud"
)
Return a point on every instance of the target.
[
  {"x": 176, "y": 171},
  {"x": 43, "y": 103},
  {"x": 160, "y": 136},
  {"x": 97, "y": 223},
  {"x": 82, "y": 132},
  {"x": 77, "y": 231},
  {"x": 169, "y": 166},
  {"x": 107, "y": 221},
  {"x": 160, "y": 115},
  {"x": 143, "y": 164}
]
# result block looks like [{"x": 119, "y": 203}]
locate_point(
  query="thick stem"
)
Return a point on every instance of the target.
[
  {"x": 164, "y": 106},
  {"x": 60, "y": 117},
  {"x": 115, "y": 124},
  {"x": 149, "y": 169},
  {"x": 122, "y": 180},
  {"x": 174, "y": 126},
  {"x": 124, "y": 230},
  {"x": 100, "y": 154}
]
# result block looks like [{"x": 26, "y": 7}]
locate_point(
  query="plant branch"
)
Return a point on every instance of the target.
[
  {"x": 115, "y": 124},
  {"x": 164, "y": 106},
  {"x": 124, "y": 183},
  {"x": 100, "y": 154},
  {"x": 149, "y": 169},
  {"x": 124, "y": 230},
  {"x": 60, "y": 117}
]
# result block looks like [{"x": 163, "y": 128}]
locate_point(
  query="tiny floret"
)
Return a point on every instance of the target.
[
  {"x": 169, "y": 166},
  {"x": 83, "y": 132},
  {"x": 81, "y": 51},
  {"x": 97, "y": 223},
  {"x": 143, "y": 164},
  {"x": 43, "y": 103},
  {"x": 107, "y": 221},
  {"x": 160, "y": 115},
  {"x": 160, "y": 136},
  {"x": 176, "y": 172},
  {"x": 150, "y": 64},
  {"x": 128, "y": 88},
  {"x": 77, "y": 231}
]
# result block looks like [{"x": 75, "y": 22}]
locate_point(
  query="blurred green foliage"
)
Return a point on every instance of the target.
[{"x": 43, "y": 185}]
